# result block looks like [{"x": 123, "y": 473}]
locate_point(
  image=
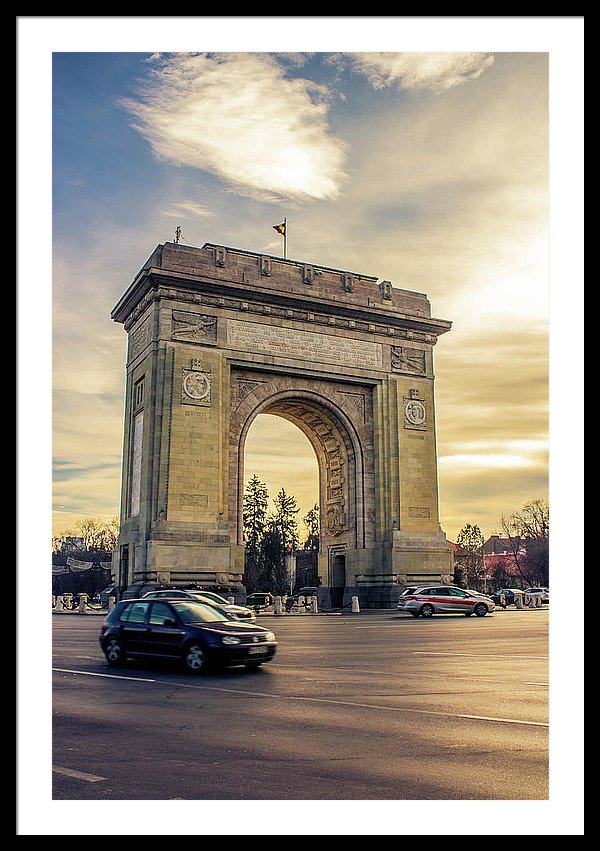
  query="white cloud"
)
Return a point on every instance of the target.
[
  {"x": 238, "y": 116},
  {"x": 434, "y": 71},
  {"x": 188, "y": 208}
]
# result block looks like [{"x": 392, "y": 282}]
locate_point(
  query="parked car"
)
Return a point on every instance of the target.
[
  {"x": 190, "y": 631},
  {"x": 543, "y": 592},
  {"x": 305, "y": 593},
  {"x": 101, "y": 598},
  {"x": 410, "y": 590},
  {"x": 138, "y": 589},
  {"x": 260, "y": 600},
  {"x": 428, "y": 600},
  {"x": 241, "y": 612},
  {"x": 510, "y": 595}
]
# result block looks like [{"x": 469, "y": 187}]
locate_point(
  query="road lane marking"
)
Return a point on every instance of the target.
[
  {"x": 505, "y": 720},
  {"x": 476, "y": 655},
  {"x": 109, "y": 676},
  {"x": 78, "y": 775},
  {"x": 300, "y": 698}
]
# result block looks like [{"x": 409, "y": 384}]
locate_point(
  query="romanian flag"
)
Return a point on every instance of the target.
[{"x": 280, "y": 229}]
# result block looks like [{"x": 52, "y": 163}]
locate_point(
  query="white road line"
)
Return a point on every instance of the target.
[
  {"x": 477, "y": 655},
  {"x": 109, "y": 676},
  {"x": 78, "y": 775},
  {"x": 299, "y": 698},
  {"x": 505, "y": 720}
]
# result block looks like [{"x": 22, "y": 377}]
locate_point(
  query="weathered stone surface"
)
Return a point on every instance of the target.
[{"x": 218, "y": 335}]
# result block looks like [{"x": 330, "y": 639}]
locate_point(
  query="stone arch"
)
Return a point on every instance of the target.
[
  {"x": 218, "y": 335},
  {"x": 335, "y": 426}
]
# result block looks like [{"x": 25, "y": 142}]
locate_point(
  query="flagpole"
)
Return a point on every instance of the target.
[{"x": 285, "y": 239}]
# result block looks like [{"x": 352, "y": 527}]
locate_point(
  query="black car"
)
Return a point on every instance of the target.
[
  {"x": 195, "y": 633},
  {"x": 293, "y": 600},
  {"x": 509, "y": 596},
  {"x": 260, "y": 600}
]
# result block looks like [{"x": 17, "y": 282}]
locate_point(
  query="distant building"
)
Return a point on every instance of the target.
[{"x": 499, "y": 554}]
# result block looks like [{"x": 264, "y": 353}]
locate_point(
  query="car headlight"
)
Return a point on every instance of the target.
[
  {"x": 230, "y": 639},
  {"x": 270, "y": 636}
]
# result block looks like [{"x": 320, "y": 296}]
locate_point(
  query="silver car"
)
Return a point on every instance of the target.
[
  {"x": 428, "y": 600},
  {"x": 241, "y": 612}
]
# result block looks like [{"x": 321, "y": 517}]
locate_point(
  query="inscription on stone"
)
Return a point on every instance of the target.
[
  {"x": 416, "y": 511},
  {"x": 289, "y": 342},
  {"x": 200, "y": 499},
  {"x": 138, "y": 339}
]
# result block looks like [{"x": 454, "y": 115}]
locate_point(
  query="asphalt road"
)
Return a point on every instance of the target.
[{"x": 376, "y": 706}]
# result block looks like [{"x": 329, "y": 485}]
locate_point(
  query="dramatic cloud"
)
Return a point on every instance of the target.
[
  {"x": 239, "y": 117},
  {"x": 434, "y": 71}
]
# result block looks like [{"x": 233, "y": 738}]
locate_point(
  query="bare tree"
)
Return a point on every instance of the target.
[
  {"x": 528, "y": 535},
  {"x": 93, "y": 537}
]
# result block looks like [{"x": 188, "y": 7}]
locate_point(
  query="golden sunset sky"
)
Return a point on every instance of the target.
[{"x": 426, "y": 167}]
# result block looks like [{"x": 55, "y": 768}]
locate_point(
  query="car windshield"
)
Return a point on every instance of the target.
[
  {"x": 192, "y": 611},
  {"x": 216, "y": 597}
]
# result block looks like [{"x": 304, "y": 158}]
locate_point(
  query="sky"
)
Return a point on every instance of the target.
[
  {"x": 443, "y": 154},
  {"x": 426, "y": 169}
]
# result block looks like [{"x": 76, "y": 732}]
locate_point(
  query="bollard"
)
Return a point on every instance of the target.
[
  {"x": 538, "y": 601},
  {"x": 111, "y": 603},
  {"x": 231, "y": 600},
  {"x": 503, "y": 600},
  {"x": 68, "y": 600},
  {"x": 531, "y": 601},
  {"x": 83, "y": 598},
  {"x": 355, "y": 605},
  {"x": 302, "y": 605},
  {"x": 59, "y": 604},
  {"x": 53, "y": 601},
  {"x": 314, "y": 606},
  {"x": 277, "y": 607},
  {"x": 518, "y": 601}
]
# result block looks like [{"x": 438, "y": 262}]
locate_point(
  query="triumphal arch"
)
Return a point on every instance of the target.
[{"x": 218, "y": 335}]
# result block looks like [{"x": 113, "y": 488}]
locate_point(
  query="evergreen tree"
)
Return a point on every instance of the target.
[
  {"x": 283, "y": 518},
  {"x": 312, "y": 523},
  {"x": 256, "y": 501},
  {"x": 283, "y": 529},
  {"x": 471, "y": 540}
]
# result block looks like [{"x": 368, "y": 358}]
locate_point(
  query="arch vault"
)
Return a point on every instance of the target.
[{"x": 217, "y": 336}]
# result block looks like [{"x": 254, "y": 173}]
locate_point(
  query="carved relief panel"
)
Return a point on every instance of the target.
[{"x": 193, "y": 327}]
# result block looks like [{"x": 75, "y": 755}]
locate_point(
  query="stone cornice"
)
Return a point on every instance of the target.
[
  {"x": 399, "y": 326},
  {"x": 272, "y": 285}
]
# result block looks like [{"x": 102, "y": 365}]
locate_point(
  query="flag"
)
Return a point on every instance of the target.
[{"x": 280, "y": 228}]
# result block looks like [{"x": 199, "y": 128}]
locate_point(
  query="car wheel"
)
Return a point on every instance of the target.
[
  {"x": 468, "y": 614},
  {"x": 113, "y": 651},
  {"x": 253, "y": 666},
  {"x": 416, "y": 614},
  {"x": 426, "y": 611},
  {"x": 480, "y": 610},
  {"x": 194, "y": 658}
]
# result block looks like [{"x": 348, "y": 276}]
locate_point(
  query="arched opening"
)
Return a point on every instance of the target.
[
  {"x": 328, "y": 421},
  {"x": 280, "y": 454},
  {"x": 281, "y": 474}
]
